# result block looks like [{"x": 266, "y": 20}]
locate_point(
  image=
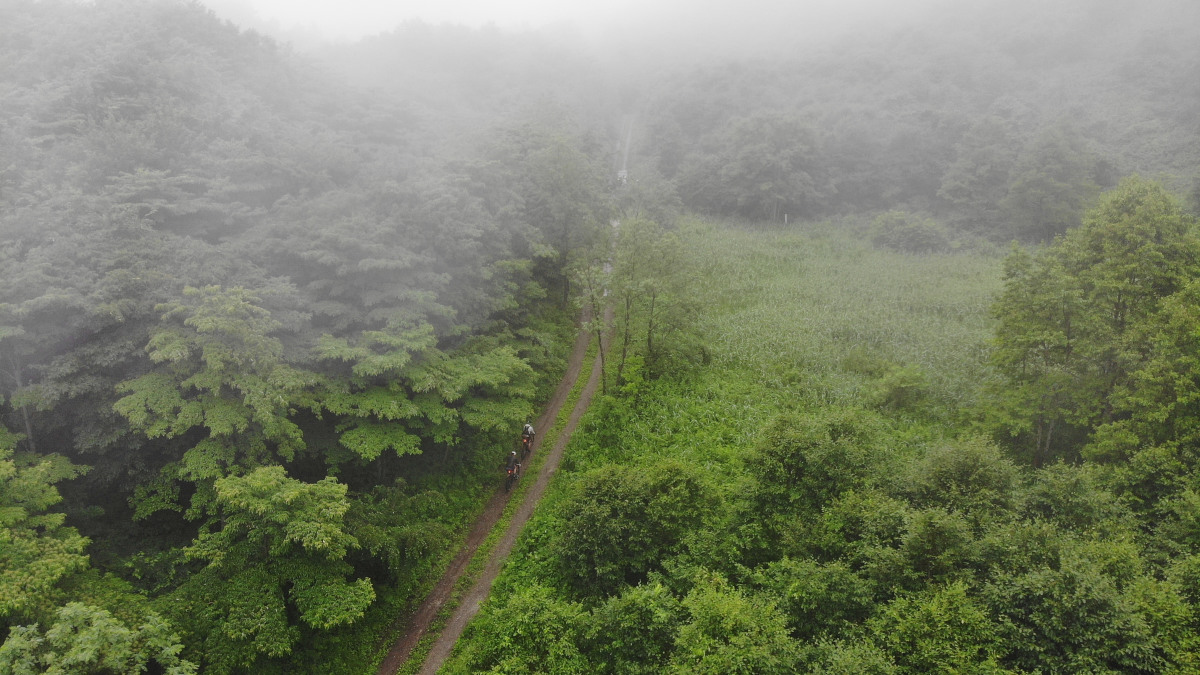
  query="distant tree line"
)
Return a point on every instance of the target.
[{"x": 1001, "y": 122}]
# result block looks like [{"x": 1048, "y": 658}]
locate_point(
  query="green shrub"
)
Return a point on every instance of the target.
[
  {"x": 532, "y": 631},
  {"x": 1092, "y": 608},
  {"x": 817, "y": 598},
  {"x": 941, "y": 630},
  {"x": 900, "y": 388},
  {"x": 804, "y": 461},
  {"x": 967, "y": 475},
  {"x": 88, "y": 639},
  {"x": 900, "y": 231},
  {"x": 622, "y": 521},
  {"x": 732, "y": 632},
  {"x": 851, "y": 657},
  {"x": 635, "y": 632},
  {"x": 1073, "y": 498}
]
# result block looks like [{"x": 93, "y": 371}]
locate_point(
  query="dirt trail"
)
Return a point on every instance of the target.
[{"x": 423, "y": 617}]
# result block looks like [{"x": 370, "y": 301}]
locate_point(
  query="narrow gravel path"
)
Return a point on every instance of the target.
[{"x": 420, "y": 621}]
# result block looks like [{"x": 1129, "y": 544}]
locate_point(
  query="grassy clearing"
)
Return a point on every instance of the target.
[
  {"x": 800, "y": 318},
  {"x": 808, "y": 311}
]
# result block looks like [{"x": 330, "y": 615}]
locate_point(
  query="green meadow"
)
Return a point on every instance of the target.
[
  {"x": 800, "y": 318},
  {"x": 813, "y": 311}
]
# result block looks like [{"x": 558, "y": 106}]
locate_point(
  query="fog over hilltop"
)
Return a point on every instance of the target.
[
  {"x": 273, "y": 311},
  {"x": 706, "y": 27}
]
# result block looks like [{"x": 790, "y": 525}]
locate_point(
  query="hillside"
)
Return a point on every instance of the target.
[
  {"x": 228, "y": 277},
  {"x": 876, "y": 462},
  {"x": 270, "y": 320}
]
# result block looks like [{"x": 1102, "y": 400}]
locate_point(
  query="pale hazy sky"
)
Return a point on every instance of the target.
[
  {"x": 353, "y": 19},
  {"x": 360, "y": 17}
]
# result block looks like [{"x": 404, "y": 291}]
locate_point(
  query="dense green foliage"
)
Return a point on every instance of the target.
[
  {"x": 289, "y": 327},
  {"x": 86, "y": 639},
  {"x": 1079, "y": 330},
  {"x": 269, "y": 322},
  {"x": 841, "y": 517},
  {"x": 38, "y": 548}
]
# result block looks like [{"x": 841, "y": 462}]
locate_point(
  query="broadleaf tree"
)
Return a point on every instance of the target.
[
  {"x": 1075, "y": 322},
  {"x": 220, "y": 385},
  {"x": 37, "y": 548},
  {"x": 273, "y": 567}
]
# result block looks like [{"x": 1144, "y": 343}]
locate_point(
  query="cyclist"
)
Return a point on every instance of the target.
[{"x": 513, "y": 471}]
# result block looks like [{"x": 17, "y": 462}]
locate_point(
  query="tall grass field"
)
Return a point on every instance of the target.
[{"x": 818, "y": 305}]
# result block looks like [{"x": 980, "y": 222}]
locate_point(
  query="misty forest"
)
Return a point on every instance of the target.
[{"x": 902, "y": 375}]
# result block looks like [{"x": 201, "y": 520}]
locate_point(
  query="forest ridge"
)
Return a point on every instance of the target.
[{"x": 269, "y": 321}]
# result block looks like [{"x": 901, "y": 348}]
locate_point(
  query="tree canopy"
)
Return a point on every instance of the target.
[{"x": 269, "y": 320}]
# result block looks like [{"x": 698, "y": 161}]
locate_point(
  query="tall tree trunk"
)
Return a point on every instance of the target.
[
  {"x": 1045, "y": 432},
  {"x": 624, "y": 340},
  {"x": 650, "y": 333},
  {"x": 16, "y": 374},
  {"x": 598, "y": 327}
]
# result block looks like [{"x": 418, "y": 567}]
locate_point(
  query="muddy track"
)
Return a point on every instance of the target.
[{"x": 420, "y": 621}]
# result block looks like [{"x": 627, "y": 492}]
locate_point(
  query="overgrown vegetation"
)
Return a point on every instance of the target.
[
  {"x": 264, "y": 337},
  {"x": 819, "y": 500},
  {"x": 268, "y": 323}
]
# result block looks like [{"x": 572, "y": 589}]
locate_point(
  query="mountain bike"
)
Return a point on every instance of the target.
[{"x": 514, "y": 474}]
